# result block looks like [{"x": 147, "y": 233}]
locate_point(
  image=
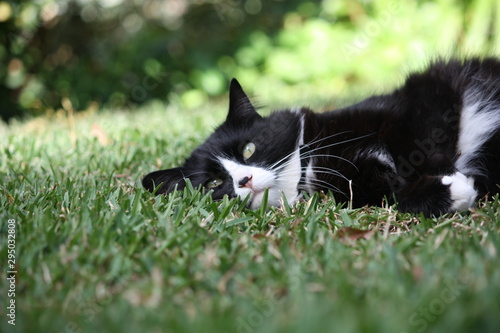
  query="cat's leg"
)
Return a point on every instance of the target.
[
  {"x": 463, "y": 193},
  {"x": 435, "y": 195}
]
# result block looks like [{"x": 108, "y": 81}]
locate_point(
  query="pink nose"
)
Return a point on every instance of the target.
[{"x": 245, "y": 182}]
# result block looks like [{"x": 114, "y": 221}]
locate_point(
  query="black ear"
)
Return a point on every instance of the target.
[
  {"x": 240, "y": 107},
  {"x": 167, "y": 178}
]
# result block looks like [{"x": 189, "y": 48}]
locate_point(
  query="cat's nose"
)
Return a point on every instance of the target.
[{"x": 245, "y": 182}]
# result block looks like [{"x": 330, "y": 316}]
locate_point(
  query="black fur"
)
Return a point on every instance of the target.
[{"x": 396, "y": 146}]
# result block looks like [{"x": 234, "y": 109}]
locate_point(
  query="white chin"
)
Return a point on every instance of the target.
[
  {"x": 274, "y": 198},
  {"x": 256, "y": 200}
]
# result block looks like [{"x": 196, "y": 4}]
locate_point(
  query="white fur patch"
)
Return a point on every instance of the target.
[
  {"x": 263, "y": 179},
  {"x": 479, "y": 120},
  {"x": 380, "y": 154},
  {"x": 462, "y": 191},
  {"x": 289, "y": 177},
  {"x": 310, "y": 177}
]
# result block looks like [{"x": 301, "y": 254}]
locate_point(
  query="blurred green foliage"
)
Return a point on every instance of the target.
[{"x": 77, "y": 54}]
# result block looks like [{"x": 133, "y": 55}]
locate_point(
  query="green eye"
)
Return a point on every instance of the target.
[
  {"x": 214, "y": 183},
  {"x": 248, "y": 150}
]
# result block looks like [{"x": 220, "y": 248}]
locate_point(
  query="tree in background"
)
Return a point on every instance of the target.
[{"x": 118, "y": 54}]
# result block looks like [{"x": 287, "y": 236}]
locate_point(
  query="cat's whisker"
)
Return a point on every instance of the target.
[
  {"x": 335, "y": 174},
  {"x": 308, "y": 144},
  {"x": 309, "y": 155},
  {"x": 323, "y": 185},
  {"x": 337, "y": 157},
  {"x": 316, "y": 170},
  {"x": 314, "y": 141},
  {"x": 321, "y": 155},
  {"x": 339, "y": 143},
  {"x": 275, "y": 164},
  {"x": 314, "y": 181},
  {"x": 331, "y": 172},
  {"x": 195, "y": 173}
]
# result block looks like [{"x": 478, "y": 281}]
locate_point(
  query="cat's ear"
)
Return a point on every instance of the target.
[
  {"x": 167, "y": 179},
  {"x": 240, "y": 107}
]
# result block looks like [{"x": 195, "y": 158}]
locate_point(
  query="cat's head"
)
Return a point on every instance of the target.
[{"x": 245, "y": 155}]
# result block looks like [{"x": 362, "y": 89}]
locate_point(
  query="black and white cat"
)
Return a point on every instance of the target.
[{"x": 431, "y": 146}]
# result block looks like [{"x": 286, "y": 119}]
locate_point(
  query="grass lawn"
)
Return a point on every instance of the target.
[{"x": 95, "y": 253}]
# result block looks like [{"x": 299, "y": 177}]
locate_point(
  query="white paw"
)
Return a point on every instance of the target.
[{"x": 462, "y": 191}]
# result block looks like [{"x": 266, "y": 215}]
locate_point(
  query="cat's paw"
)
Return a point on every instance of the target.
[{"x": 462, "y": 192}]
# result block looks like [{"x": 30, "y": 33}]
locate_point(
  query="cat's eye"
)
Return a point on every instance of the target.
[
  {"x": 248, "y": 150},
  {"x": 214, "y": 183}
]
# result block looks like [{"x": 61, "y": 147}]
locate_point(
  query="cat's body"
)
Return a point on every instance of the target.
[{"x": 433, "y": 145}]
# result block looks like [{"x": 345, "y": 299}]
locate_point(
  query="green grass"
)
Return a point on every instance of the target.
[{"x": 96, "y": 253}]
